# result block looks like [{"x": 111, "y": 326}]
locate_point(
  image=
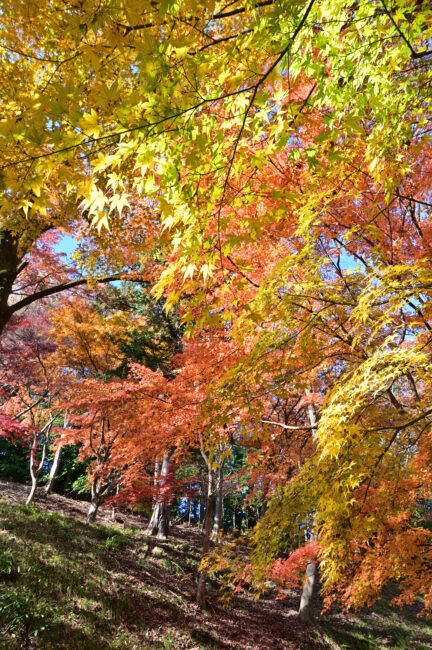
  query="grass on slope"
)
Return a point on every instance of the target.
[
  {"x": 67, "y": 584},
  {"x": 382, "y": 627},
  {"x": 77, "y": 586}
]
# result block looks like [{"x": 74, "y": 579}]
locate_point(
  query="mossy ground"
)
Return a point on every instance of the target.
[{"x": 67, "y": 584}]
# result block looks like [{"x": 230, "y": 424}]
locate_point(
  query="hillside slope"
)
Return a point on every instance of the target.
[{"x": 67, "y": 584}]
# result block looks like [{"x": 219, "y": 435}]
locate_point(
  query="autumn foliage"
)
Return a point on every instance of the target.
[{"x": 262, "y": 174}]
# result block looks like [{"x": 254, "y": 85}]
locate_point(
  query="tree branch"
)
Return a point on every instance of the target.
[
  {"x": 49, "y": 291},
  {"x": 286, "y": 426}
]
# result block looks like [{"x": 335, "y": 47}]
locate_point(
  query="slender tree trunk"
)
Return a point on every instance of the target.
[
  {"x": 310, "y": 587},
  {"x": 35, "y": 468},
  {"x": 311, "y": 583},
  {"x": 113, "y": 511},
  {"x": 218, "y": 518},
  {"x": 99, "y": 489},
  {"x": 33, "y": 472},
  {"x": 189, "y": 511},
  {"x": 32, "y": 490},
  {"x": 203, "y": 510},
  {"x": 153, "y": 517},
  {"x": 95, "y": 501},
  {"x": 159, "y": 521},
  {"x": 56, "y": 461},
  {"x": 201, "y": 596},
  {"x": 54, "y": 469}
]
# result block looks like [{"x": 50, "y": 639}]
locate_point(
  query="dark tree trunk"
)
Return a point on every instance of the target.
[
  {"x": 200, "y": 513},
  {"x": 9, "y": 265},
  {"x": 189, "y": 511},
  {"x": 159, "y": 521}
]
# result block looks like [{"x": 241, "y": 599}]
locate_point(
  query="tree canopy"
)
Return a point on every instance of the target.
[{"x": 262, "y": 172}]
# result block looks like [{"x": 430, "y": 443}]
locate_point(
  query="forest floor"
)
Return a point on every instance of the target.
[{"x": 68, "y": 584}]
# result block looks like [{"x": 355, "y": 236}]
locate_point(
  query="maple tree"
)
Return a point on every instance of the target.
[
  {"x": 373, "y": 420},
  {"x": 126, "y": 424},
  {"x": 54, "y": 128},
  {"x": 32, "y": 269},
  {"x": 264, "y": 168},
  {"x": 28, "y": 410},
  {"x": 69, "y": 125}
]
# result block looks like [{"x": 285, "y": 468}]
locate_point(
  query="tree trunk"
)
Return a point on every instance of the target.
[
  {"x": 200, "y": 512},
  {"x": 92, "y": 511},
  {"x": 218, "y": 518},
  {"x": 9, "y": 268},
  {"x": 113, "y": 511},
  {"x": 310, "y": 586},
  {"x": 35, "y": 468},
  {"x": 56, "y": 461},
  {"x": 32, "y": 490},
  {"x": 159, "y": 521},
  {"x": 206, "y": 542},
  {"x": 34, "y": 474},
  {"x": 54, "y": 469},
  {"x": 95, "y": 502},
  {"x": 190, "y": 512},
  {"x": 306, "y": 614}
]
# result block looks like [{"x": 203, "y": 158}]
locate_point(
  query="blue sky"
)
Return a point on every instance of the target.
[{"x": 66, "y": 245}]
